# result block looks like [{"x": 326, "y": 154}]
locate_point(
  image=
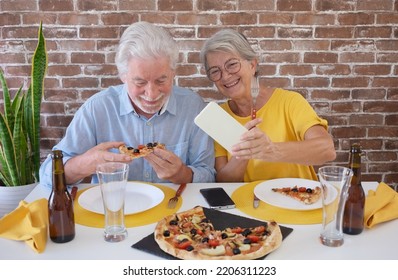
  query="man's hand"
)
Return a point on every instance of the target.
[{"x": 169, "y": 166}]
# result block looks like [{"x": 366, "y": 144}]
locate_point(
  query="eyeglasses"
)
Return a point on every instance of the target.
[{"x": 232, "y": 66}]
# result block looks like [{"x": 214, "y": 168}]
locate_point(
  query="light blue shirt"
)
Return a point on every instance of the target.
[{"x": 110, "y": 116}]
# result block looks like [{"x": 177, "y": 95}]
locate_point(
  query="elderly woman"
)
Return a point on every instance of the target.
[{"x": 286, "y": 136}]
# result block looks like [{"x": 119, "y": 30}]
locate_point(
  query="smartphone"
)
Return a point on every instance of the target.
[{"x": 217, "y": 198}]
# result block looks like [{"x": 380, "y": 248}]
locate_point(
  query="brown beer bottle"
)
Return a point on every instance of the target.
[
  {"x": 353, "y": 221},
  {"x": 60, "y": 205}
]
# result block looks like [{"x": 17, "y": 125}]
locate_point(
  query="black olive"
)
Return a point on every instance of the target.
[
  {"x": 295, "y": 189},
  {"x": 189, "y": 248},
  {"x": 236, "y": 251},
  {"x": 246, "y": 232},
  {"x": 205, "y": 239},
  {"x": 205, "y": 220},
  {"x": 173, "y": 223},
  {"x": 194, "y": 231},
  {"x": 130, "y": 148},
  {"x": 247, "y": 241},
  {"x": 149, "y": 145},
  {"x": 166, "y": 233},
  {"x": 308, "y": 190},
  {"x": 224, "y": 235},
  {"x": 136, "y": 151},
  {"x": 155, "y": 144}
]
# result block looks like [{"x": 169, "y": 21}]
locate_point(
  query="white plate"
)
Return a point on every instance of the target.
[
  {"x": 139, "y": 197},
  {"x": 264, "y": 192}
]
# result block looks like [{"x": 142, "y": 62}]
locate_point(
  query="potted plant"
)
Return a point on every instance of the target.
[{"x": 20, "y": 132}]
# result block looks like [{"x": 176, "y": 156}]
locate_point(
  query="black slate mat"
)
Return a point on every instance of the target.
[{"x": 219, "y": 219}]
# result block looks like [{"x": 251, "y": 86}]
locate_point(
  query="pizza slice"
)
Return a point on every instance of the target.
[
  {"x": 191, "y": 235},
  {"x": 140, "y": 150},
  {"x": 302, "y": 194}
]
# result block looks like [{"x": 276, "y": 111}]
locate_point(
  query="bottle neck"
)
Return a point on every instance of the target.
[
  {"x": 58, "y": 175},
  {"x": 355, "y": 165}
]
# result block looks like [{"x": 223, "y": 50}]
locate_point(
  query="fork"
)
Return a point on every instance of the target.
[
  {"x": 173, "y": 201},
  {"x": 255, "y": 89}
]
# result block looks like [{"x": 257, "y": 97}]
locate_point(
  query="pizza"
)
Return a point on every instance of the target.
[
  {"x": 190, "y": 235},
  {"x": 140, "y": 150},
  {"x": 305, "y": 195}
]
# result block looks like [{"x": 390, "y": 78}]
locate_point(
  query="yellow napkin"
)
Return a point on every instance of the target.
[
  {"x": 243, "y": 198},
  {"x": 29, "y": 223},
  {"x": 87, "y": 218},
  {"x": 381, "y": 205}
]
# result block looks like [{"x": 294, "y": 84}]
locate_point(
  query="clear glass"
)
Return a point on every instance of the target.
[
  {"x": 112, "y": 177},
  {"x": 335, "y": 181}
]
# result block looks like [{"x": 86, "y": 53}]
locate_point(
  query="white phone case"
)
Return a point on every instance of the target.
[{"x": 219, "y": 125}]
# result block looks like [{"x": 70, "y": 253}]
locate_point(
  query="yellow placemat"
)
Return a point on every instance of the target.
[
  {"x": 243, "y": 198},
  {"x": 153, "y": 215}
]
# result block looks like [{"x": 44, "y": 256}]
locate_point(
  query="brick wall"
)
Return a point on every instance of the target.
[{"x": 340, "y": 54}]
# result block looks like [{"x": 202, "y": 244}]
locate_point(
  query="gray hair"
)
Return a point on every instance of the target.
[
  {"x": 230, "y": 41},
  {"x": 145, "y": 41}
]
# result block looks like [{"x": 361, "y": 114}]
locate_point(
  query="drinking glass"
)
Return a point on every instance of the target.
[
  {"x": 112, "y": 178},
  {"x": 335, "y": 181}
]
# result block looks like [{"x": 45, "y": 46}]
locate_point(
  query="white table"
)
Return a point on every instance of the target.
[{"x": 303, "y": 243}]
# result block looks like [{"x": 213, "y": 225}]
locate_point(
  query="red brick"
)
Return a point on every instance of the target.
[
  {"x": 56, "y": 5},
  {"x": 295, "y": 32},
  {"x": 320, "y": 57},
  {"x": 256, "y": 5},
  {"x": 294, "y": 5},
  {"x": 334, "y": 5},
  {"x": 327, "y": 94},
  {"x": 311, "y": 82},
  {"x": 334, "y": 32},
  {"x": 352, "y": 132},
  {"x": 333, "y": 69},
  {"x": 346, "y": 107},
  {"x": 175, "y": 5},
  {"x": 368, "y": 94},
  {"x": 296, "y": 70},
  {"x": 238, "y": 18},
  {"x": 275, "y": 18},
  {"x": 211, "y": 5},
  {"x": 373, "y": 70},
  {"x": 87, "y": 57},
  {"x": 356, "y": 18},
  {"x": 193, "y": 19},
  {"x": 375, "y": 5},
  {"x": 315, "y": 19},
  {"x": 366, "y": 119},
  {"x": 385, "y": 131},
  {"x": 96, "y": 5},
  {"x": 137, "y": 5},
  {"x": 351, "y": 82},
  {"x": 274, "y": 45},
  {"x": 360, "y": 57}
]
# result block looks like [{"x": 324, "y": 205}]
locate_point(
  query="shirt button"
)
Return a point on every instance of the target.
[
  {"x": 148, "y": 123},
  {"x": 147, "y": 174}
]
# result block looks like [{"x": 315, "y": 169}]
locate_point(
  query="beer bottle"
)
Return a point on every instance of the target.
[
  {"x": 353, "y": 220},
  {"x": 60, "y": 205}
]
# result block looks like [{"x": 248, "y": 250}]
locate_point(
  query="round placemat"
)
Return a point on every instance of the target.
[
  {"x": 153, "y": 215},
  {"x": 243, "y": 198}
]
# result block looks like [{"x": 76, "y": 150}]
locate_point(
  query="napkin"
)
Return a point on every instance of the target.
[
  {"x": 29, "y": 223},
  {"x": 381, "y": 205}
]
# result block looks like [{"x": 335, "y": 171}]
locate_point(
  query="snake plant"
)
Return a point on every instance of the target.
[{"x": 20, "y": 124}]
